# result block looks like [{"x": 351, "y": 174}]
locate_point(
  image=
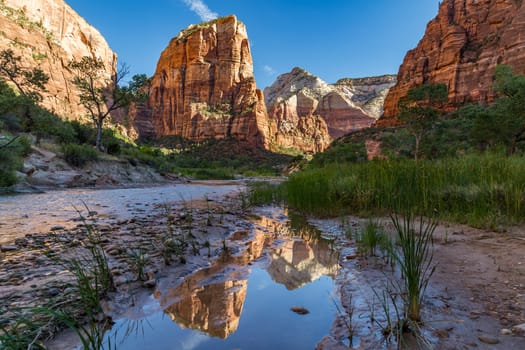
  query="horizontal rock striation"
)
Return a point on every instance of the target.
[{"x": 461, "y": 48}]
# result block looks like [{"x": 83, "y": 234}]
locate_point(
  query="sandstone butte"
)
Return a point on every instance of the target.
[
  {"x": 204, "y": 87},
  {"x": 307, "y": 113},
  {"x": 461, "y": 48},
  {"x": 49, "y": 34}
]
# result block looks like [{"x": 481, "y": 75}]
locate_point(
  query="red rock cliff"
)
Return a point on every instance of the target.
[
  {"x": 204, "y": 87},
  {"x": 461, "y": 47},
  {"x": 49, "y": 34}
]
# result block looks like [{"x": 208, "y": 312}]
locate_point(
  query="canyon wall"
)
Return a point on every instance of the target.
[
  {"x": 461, "y": 48},
  {"x": 307, "y": 113},
  {"x": 49, "y": 34},
  {"x": 204, "y": 87}
]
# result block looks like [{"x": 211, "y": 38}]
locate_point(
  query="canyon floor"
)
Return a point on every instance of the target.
[{"x": 476, "y": 297}]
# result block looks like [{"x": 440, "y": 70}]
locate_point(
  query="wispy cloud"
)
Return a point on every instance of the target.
[
  {"x": 201, "y": 9},
  {"x": 269, "y": 70}
]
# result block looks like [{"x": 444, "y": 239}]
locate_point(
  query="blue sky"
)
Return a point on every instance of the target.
[{"x": 332, "y": 39}]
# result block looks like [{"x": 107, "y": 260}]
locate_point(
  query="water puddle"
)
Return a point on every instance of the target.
[{"x": 244, "y": 301}]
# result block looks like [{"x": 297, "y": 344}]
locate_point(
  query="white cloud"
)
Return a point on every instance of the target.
[
  {"x": 201, "y": 9},
  {"x": 269, "y": 70}
]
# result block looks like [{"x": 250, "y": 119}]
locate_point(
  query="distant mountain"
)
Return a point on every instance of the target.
[{"x": 298, "y": 98}]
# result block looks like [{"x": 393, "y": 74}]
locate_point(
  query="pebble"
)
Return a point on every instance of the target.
[
  {"x": 53, "y": 292},
  {"x": 488, "y": 340},
  {"x": 151, "y": 283},
  {"x": 57, "y": 228},
  {"x": 505, "y": 331},
  {"x": 299, "y": 310},
  {"x": 519, "y": 328},
  {"x": 8, "y": 248}
]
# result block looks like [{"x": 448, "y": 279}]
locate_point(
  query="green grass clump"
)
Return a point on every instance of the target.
[
  {"x": 481, "y": 190},
  {"x": 79, "y": 155}
]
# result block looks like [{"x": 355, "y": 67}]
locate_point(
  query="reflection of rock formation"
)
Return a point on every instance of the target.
[
  {"x": 302, "y": 259},
  {"x": 298, "y": 262},
  {"x": 212, "y": 307}
]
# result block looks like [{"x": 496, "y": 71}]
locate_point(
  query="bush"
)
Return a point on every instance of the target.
[{"x": 79, "y": 155}]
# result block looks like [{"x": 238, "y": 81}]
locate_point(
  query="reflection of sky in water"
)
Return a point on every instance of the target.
[
  {"x": 266, "y": 321},
  {"x": 32, "y": 213}
]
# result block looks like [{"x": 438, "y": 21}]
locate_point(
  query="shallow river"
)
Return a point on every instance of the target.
[
  {"x": 29, "y": 213},
  {"x": 244, "y": 301}
]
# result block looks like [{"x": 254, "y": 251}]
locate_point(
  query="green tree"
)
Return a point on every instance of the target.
[
  {"x": 99, "y": 95},
  {"x": 419, "y": 109},
  {"x": 28, "y": 83},
  {"x": 508, "y": 112}
]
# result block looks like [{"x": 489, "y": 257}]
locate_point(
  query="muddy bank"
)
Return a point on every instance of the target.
[{"x": 475, "y": 298}]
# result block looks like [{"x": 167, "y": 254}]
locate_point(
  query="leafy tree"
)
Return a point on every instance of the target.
[
  {"x": 101, "y": 96},
  {"x": 507, "y": 117},
  {"x": 29, "y": 83},
  {"x": 420, "y": 109}
]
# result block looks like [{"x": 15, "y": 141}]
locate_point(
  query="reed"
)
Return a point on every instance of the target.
[{"x": 485, "y": 190}]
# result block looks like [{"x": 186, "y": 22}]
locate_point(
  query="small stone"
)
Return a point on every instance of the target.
[
  {"x": 488, "y": 340},
  {"x": 8, "y": 248},
  {"x": 57, "y": 228},
  {"x": 299, "y": 310},
  {"x": 150, "y": 283},
  {"x": 53, "y": 292},
  {"x": 519, "y": 328},
  {"x": 505, "y": 331},
  {"x": 22, "y": 242}
]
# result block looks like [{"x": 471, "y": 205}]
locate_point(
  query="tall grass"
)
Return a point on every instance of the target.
[{"x": 480, "y": 190}]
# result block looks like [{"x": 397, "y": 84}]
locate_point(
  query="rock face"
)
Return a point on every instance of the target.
[
  {"x": 204, "y": 87},
  {"x": 49, "y": 34},
  {"x": 461, "y": 48},
  {"x": 307, "y": 113}
]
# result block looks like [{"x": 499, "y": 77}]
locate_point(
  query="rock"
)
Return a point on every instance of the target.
[
  {"x": 53, "y": 292},
  {"x": 8, "y": 248},
  {"x": 299, "y": 310},
  {"x": 519, "y": 328},
  {"x": 151, "y": 283},
  {"x": 488, "y": 340},
  {"x": 204, "y": 87},
  {"x": 505, "y": 331},
  {"x": 461, "y": 48},
  {"x": 21, "y": 242},
  {"x": 51, "y": 35},
  {"x": 306, "y": 113}
]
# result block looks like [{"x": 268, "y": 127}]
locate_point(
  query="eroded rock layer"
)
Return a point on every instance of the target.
[
  {"x": 307, "y": 113},
  {"x": 461, "y": 48},
  {"x": 204, "y": 87},
  {"x": 49, "y": 34}
]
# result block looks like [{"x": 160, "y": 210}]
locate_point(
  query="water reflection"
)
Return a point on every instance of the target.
[{"x": 212, "y": 300}]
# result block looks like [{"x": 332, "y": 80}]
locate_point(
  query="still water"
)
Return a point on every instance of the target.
[{"x": 245, "y": 302}]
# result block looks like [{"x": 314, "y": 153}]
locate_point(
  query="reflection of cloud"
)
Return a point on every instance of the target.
[
  {"x": 193, "y": 341},
  {"x": 269, "y": 70},
  {"x": 201, "y": 9}
]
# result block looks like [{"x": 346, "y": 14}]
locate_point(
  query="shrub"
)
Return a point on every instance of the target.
[{"x": 79, "y": 155}]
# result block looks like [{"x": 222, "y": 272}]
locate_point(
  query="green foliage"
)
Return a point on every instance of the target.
[
  {"x": 415, "y": 260},
  {"x": 29, "y": 82},
  {"x": 12, "y": 150},
  {"x": 79, "y": 155},
  {"x": 340, "y": 153},
  {"x": 419, "y": 109},
  {"x": 481, "y": 190},
  {"x": 101, "y": 95},
  {"x": 370, "y": 237}
]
